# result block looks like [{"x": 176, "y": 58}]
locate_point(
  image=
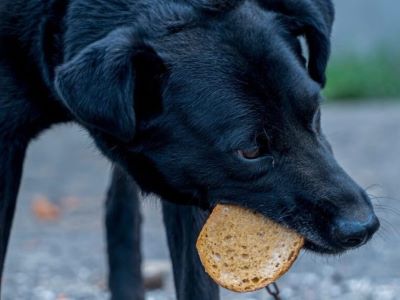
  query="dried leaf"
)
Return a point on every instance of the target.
[{"x": 45, "y": 210}]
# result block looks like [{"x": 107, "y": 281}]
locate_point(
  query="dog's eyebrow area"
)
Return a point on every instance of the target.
[
  {"x": 304, "y": 97},
  {"x": 305, "y": 108}
]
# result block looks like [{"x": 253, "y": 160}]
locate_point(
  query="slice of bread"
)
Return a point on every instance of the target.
[{"x": 243, "y": 251}]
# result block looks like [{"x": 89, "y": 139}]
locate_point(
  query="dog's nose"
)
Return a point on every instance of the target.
[{"x": 350, "y": 234}]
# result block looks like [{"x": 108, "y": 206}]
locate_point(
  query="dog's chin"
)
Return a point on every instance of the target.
[{"x": 322, "y": 249}]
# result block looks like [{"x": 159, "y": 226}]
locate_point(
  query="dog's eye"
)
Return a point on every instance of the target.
[
  {"x": 252, "y": 153},
  {"x": 261, "y": 149}
]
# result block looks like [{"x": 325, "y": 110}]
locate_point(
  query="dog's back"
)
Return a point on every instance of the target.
[{"x": 31, "y": 36}]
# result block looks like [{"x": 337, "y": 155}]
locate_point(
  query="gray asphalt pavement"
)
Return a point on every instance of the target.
[{"x": 65, "y": 258}]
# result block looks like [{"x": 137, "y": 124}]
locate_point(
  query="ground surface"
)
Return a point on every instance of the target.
[{"x": 64, "y": 259}]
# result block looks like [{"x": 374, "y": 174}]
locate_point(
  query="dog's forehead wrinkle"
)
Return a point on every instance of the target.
[
  {"x": 265, "y": 41},
  {"x": 205, "y": 111},
  {"x": 275, "y": 72},
  {"x": 216, "y": 5}
]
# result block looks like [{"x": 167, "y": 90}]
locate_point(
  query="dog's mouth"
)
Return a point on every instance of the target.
[
  {"x": 316, "y": 240},
  {"x": 321, "y": 249},
  {"x": 313, "y": 240},
  {"x": 320, "y": 242},
  {"x": 317, "y": 234}
]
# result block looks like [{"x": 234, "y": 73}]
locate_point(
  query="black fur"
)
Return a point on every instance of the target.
[
  {"x": 183, "y": 225},
  {"x": 123, "y": 222},
  {"x": 174, "y": 92}
]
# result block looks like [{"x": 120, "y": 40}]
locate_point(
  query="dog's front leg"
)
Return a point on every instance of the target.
[
  {"x": 123, "y": 222},
  {"x": 12, "y": 153},
  {"x": 183, "y": 224}
]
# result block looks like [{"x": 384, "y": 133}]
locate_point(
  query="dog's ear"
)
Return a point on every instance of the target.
[
  {"x": 317, "y": 28},
  {"x": 98, "y": 84},
  {"x": 319, "y": 47},
  {"x": 312, "y": 19}
]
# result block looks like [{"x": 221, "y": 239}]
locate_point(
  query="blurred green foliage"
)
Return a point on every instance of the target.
[{"x": 357, "y": 77}]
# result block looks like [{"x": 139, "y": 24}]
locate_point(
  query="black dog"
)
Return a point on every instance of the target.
[{"x": 200, "y": 102}]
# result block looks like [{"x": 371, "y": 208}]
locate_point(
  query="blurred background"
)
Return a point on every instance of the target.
[
  {"x": 366, "y": 51},
  {"x": 57, "y": 250}
]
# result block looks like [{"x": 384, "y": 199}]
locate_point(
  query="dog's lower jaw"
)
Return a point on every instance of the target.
[{"x": 323, "y": 249}]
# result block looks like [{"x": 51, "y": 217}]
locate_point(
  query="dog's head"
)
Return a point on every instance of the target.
[{"x": 216, "y": 102}]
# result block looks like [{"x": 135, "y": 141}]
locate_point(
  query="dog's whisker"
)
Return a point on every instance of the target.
[
  {"x": 378, "y": 198},
  {"x": 381, "y": 235},
  {"x": 387, "y": 209},
  {"x": 385, "y": 234},
  {"x": 372, "y": 186},
  {"x": 387, "y": 225}
]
